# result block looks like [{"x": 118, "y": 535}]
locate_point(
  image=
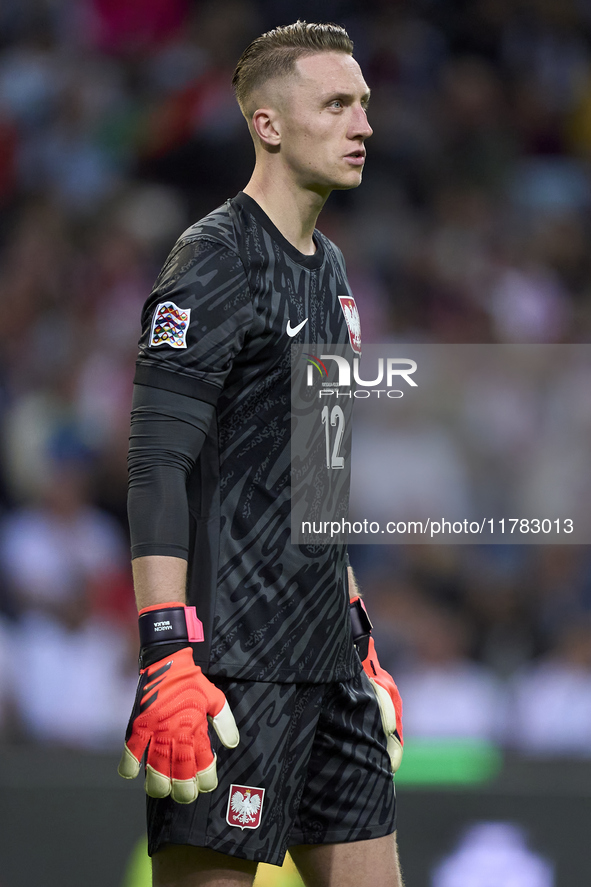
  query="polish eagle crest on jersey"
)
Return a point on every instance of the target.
[
  {"x": 170, "y": 325},
  {"x": 353, "y": 322},
  {"x": 245, "y": 805}
]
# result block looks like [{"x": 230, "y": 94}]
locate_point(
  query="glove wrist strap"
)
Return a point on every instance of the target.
[
  {"x": 162, "y": 624},
  {"x": 360, "y": 622},
  {"x": 360, "y": 627}
]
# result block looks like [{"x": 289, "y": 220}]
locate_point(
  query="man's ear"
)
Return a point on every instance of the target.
[{"x": 266, "y": 125}]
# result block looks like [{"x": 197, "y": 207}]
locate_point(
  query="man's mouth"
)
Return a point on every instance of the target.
[{"x": 357, "y": 158}]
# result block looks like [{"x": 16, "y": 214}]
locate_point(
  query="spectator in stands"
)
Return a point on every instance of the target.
[
  {"x": 446, "y": 694},
  {"x": 550, "y": 711},
  {"x": 65, "y": 563}
]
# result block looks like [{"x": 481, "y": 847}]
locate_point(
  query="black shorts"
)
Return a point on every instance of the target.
[{"x": 311, "y": 768}]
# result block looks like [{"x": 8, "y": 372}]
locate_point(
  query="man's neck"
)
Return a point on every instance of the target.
[{"x": 293, "y": 210}]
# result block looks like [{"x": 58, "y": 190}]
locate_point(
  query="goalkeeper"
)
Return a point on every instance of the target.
[{"x": 240, "y": 629}]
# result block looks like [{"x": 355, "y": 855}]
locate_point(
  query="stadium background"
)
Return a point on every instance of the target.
[{"x": 118, "y": 128}]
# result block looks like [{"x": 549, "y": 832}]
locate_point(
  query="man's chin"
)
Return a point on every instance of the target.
[
  {"x": 348, "y": 182},
  {"x": 340, "y": 183}
]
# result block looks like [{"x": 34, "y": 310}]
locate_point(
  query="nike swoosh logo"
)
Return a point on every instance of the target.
[{"x": 295, "y": 330}]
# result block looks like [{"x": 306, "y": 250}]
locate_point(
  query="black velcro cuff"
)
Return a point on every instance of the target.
[
  {"x": 360, "y": 622},
  {"x": 169, "y": 625}
]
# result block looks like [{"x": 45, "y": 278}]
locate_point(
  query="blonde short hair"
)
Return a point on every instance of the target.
[{"x": 275, "y": 53}]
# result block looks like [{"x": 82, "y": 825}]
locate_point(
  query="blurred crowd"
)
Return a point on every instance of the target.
[{"x": 118, "y": 128}]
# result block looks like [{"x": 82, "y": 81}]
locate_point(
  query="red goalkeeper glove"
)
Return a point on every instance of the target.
[
  {"x": 170, "y": 715},
  {"x": 383, "y": 684}
]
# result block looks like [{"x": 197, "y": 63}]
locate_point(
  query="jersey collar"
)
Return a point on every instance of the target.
[{"x": 252, "y": 207}]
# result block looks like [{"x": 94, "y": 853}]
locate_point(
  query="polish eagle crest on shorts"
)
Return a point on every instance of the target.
[
  {"x": 245, "y": 805},
  {"x": 353, "y": 322},
  {"x": 170, "y": 325}
]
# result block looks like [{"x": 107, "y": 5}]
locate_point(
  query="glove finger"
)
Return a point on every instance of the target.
[
  {"x": 159, "y": 765},
  {"x": 157, "y": 784},
  {"x": 184, "y": 791},
  {"x": 225, "y": 726},
  {"x": 137, "y": 739},
  {"x": 395, "y": 752},
  {"x": 129, "y": 766},
  {"x": 387, "y": 710},
  {"x": 207, "y": 779}
]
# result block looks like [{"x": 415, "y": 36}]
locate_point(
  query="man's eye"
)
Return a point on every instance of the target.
[{"x": 336, "y": 104}]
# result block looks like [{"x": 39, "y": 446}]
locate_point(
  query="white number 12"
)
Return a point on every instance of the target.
[{"x": 337, "y": 417}]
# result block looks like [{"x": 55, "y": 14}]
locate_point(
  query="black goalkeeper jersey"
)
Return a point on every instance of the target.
[{"x": 219, "y": 326}]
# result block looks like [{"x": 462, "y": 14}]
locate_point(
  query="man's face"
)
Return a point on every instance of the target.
[{"x": 323, "y": 122}]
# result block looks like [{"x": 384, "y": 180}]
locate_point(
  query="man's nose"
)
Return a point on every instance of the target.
[{"x": 360, "y": 124}]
